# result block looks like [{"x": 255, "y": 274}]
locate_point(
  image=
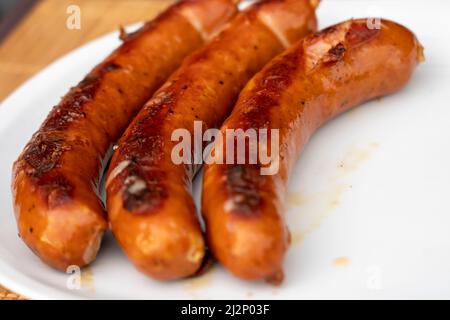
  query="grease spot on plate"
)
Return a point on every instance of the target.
[
  {"x": 296, "y": 238},
  {"x": 355, "y": 157},
  {"x": 201, "y": 282},
  {"x": 295, "y": 199},
  {"x": 87, "y": 279},
  {"x": 312, "y": 209},
  {"x": 341, "y": 262}
]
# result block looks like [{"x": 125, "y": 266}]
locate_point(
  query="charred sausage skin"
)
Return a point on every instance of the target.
[
  {"x": 320, "y": 77},
  {"x": 55, "y": 180},
  {"x": 150, "y": 205}
]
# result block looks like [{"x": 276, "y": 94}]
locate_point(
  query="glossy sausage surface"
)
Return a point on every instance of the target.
[
  {"x": 56, "y": 178},
  {"x": 320, "y": 77},
  {"x": 149, "y": 199}
]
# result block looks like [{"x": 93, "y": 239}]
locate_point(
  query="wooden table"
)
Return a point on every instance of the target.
[{"x": 42, "y": 36}]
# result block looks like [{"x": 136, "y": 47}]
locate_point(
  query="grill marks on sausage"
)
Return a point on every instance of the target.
[
  {"x": 41, "y": 158},
  {"x": 244, "y": 182},
  {"x": 341, "y": 39},
  {"x": 266, "y": 92},
  {"x": 144, "y": 187},
  {"x": 111, "y": 67},
  {"x": 145, "y": 140},
  {"x": 70, "y": 108},
  {"x": 359, "y": 33},
  {"x": 335, "y": 54},
  {"x": 43, "y": 154}
]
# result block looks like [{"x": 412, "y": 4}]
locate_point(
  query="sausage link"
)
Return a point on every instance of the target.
[
  {"x": 321, "y": 76},
  {"x": 149, "y": 199},
  {"x": 56, "y": 178}
]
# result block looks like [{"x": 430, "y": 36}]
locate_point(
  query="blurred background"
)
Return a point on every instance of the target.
[
  {"x": 12, "y": 11},
  {"x": 5, "y": 5},
  {"x": 34, "y": 33}
]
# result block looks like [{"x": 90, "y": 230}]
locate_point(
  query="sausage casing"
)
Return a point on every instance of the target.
[
  {"x": 321, "y": 76},
  {"x": 150, "y": 205},
  {"x": 55, "y": 180}
]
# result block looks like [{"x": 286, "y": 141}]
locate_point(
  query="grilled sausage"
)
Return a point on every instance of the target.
[
  {"x": 321, "y": 76},
  {"x": 149, "y": 199},
  {"x": 55, "y": 180}
]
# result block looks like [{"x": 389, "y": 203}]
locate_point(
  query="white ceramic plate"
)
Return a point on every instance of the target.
[{"x": 368, "y": 204}]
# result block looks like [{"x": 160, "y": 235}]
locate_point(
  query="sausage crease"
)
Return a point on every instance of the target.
[
  {"x": 321, "y": 76},
  {"x": 56, "y": 178},
  {"x": 149, "y": 199}
]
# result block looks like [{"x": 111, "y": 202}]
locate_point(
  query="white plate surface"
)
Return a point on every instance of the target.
[{"x": 368, "y": 203}]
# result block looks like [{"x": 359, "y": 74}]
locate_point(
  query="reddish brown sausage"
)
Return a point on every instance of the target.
[
  {"x": 55, "y": 180},
  {"x": 149, "y": 201},
  {"x": 320, "y": 77}
]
